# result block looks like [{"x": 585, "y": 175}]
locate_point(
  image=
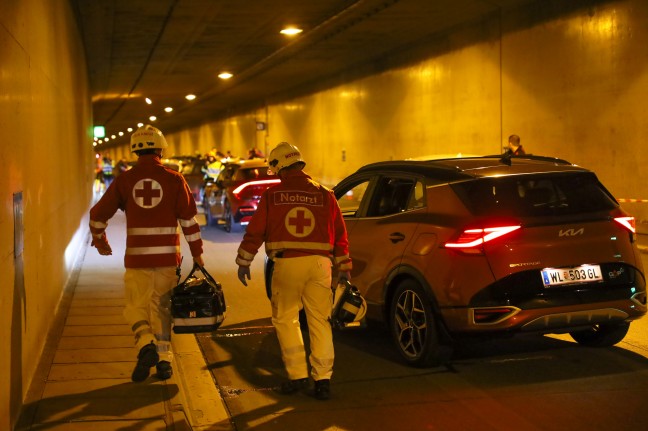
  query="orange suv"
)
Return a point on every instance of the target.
[{"x": 492, "y": 245}]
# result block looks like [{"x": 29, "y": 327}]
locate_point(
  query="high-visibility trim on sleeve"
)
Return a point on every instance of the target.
[
  {"x": 245, "y": 255},
  {"x": 187, "y": 222},
  {"x": 193, "y": 237},
  {"x": 98, "y": 224}
]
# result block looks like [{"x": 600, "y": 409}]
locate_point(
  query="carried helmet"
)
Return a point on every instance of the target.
[
  {"x": 349, "y": 307},
  {"x": 146, "y": 137},
  {"x": 282, "y": 156}
]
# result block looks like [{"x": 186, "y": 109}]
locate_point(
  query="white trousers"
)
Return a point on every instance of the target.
[
  {"x": 148, "y": 307},
  {"x": 303, "y": 281}
]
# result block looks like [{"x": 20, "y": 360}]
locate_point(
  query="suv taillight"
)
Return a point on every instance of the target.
[
  {"x": 471, "y": 240},
  {"x": 627, "y": 223}
]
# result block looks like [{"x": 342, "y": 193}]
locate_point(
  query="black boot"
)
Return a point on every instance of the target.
[
  {"x": 164, "y": 370},
  {"x": 323, "y": 389},
  {"x": 146, "y": 358}
]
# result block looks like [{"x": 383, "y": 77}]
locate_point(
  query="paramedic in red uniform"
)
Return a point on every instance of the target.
[
  {"x": 155, "y": 200},
  {"x": 304, "y": 233}
]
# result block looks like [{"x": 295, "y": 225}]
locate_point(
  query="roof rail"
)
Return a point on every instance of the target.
[{"x": 507, "y": 158}]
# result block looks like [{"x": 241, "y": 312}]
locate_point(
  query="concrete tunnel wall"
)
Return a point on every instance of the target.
[
  {"x": 569, "y": 77},
  {"x": 46, "y": 158}
]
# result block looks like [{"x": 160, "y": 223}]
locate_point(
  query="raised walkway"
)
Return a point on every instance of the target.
[{"x": 83, "y": 382}]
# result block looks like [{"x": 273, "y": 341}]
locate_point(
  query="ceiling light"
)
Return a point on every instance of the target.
[
  {"x": 148, "y": 101},
  {"x": 190, "y": 96},
  {"x": 113, "y": 137},
  {"x": 121, "y": 133},
  {"x": 152, "y": 118},
  {"x": 168, "y": 109},
  {"x": 225, "y": 75},
  {"x": 140, "y": 125},
  {"x": 130, "y": 129},
  {"x": 290, "y": 31}
]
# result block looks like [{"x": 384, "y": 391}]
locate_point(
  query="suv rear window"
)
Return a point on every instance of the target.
[{"x": 535, "y": 195}]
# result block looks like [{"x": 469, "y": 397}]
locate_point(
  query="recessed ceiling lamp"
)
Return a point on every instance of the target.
[
  {"x": 140, "y": 125},
  {"x": 290, "y": 31},
  {"x": 149, "y": 101},
  {"x": 152, "y": 118},
  {"x": 190, "y": 96},
  {"x": 168, "y": 109},
  {"x": 225, "y": 75}
]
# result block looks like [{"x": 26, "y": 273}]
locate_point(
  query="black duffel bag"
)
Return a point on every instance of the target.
[{"x": 197, "y": 304}]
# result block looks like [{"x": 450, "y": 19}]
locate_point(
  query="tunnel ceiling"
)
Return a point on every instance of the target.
[{"x": 166, "y": 49}]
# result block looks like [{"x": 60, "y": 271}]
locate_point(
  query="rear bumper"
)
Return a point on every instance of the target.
[{"x": 520, "y": 303}]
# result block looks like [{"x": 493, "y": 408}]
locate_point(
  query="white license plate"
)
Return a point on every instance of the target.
[{"x": 578, "y": 274}]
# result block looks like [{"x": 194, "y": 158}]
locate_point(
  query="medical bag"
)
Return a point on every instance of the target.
[{"x": 197, "y": 304}]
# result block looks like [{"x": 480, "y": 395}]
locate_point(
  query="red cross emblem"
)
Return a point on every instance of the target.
[
  {"x": 147, "y": 193},
  {"x": 300, "y": 222}
]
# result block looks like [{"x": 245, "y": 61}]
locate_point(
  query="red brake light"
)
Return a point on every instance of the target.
[
  {"x": 240, "y": 188},
  {"x": 473, "y": 238},
  {"x": 627, "y": 222}
]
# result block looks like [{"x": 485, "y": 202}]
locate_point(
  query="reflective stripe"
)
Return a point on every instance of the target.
[
  {"x": 242, "y": 262},
  {"x": 98, "y": 224},
  {"x": 187, "y": 223},
  {"x": 152, "y": 230},
  {"x": 193, "y": 237},
  {"x": 279, "y": 245},
  {"x": 153, "y": 250},
  {"x": 341, "y": 259},
  {"x": 245, "y": 255}
]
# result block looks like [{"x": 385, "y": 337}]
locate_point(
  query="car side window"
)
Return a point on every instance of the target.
[
  {"x": 417, "y": 198},
  {"x": 350, "y": 201},
  {"x": 227, "y": 174},
  {"x": 393, "y": 195}
]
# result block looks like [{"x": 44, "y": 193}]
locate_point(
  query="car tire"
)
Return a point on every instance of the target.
[
  {"x": 227, "y": 216},
  {"x": 230, "y": 225},
  {"x": 414, "y": 328},
  {"x": 603, "y": 335},
  {"x": 209, "y": 218}
]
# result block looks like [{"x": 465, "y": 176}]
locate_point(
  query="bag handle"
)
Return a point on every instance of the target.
[{"x": 202, "y": 269}]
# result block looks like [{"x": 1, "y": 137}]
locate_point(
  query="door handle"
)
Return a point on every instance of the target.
[{"x": 396, "y": 237}]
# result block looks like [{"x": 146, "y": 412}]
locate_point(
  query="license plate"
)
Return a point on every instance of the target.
[{"x": 578, "y": 274}]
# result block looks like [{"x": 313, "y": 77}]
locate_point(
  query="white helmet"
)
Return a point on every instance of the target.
[
  {"x": 147, "y": 136},
  {"x": 283, "y": 156}
]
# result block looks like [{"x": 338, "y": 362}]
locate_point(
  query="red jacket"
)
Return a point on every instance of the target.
[
  {"x": 155, "y": 199},
  {"x": 297, "y": 217}
]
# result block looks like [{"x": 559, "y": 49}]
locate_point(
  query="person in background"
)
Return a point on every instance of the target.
[
  {"x": 155, "y": 200},
  {"x": 121, "y": 167},
  {"x": 99, "y": 186},
  {"x": 255, "y": 153},
  {"x": 304, "y": 234},
  {"x": 514, "y": 146},
  {"x": 107, "y": 169}
]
